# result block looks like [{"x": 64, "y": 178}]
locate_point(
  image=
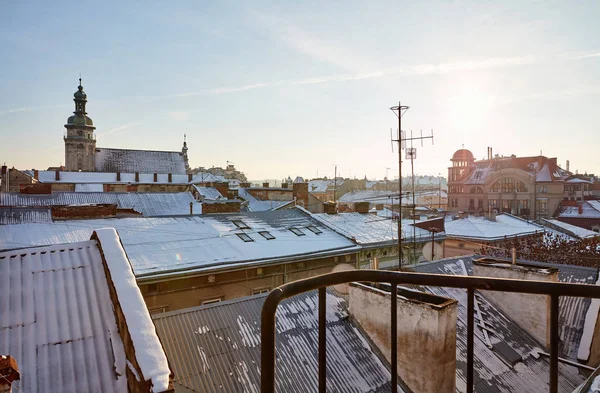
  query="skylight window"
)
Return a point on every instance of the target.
[
  {"x": 245, "y": 237},
  {"x": 297, "y": 232},
  {"x": 240, "y": 224},
  {"x": 267, "y": 235},
  {"x": 314, "y": 229}
]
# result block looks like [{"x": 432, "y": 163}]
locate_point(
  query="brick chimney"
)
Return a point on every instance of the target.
[
  {"x": 137, "y": 177},
  {"x": 330, "y": 207},
  {"x": 580, "y": 208},
  {"x": 36, "y": 174},
  {"x": 531, "y": 312},
  {"x": 426, "y": 334},
  {"x": 9, "y": 372},
  {"x": 362, "y": 207},
  {"x": 118, "y": 176},
  {"x": 266, "y": 184},
  {"x": 223, "y": 188},
  {"x": 300, "y": 193},
  {"x": 170, "y": 178},
  {"x": 57, "y": 175},
  {"x": 284, "y": 185},
  {"x": 190, "y": 176},
  {"x": 155, "y": 177}
]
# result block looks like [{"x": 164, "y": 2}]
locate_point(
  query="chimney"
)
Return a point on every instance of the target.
[
  {"x": 531, "y": 312},
  {"x": 362, "y": 207},
  {"x": 118, "y": 176},
  {"x": 191, "y": 208},
  {"x": 580, "y": 208},
  {"x": 190, "y": 177},
  {"x": 567, "y": 165},
  {"x": 5, "y": 169},
  {"x": 284, "y": 185},
  {"x": 266, "y": 184},
  {"x": 223, "y": 188},
  {"x": 57, "y": 175},
  {"x": 379, "y": 206},
  {"x": 245, "y": 185},
  {"x": 137, "y": 177},
  {"x": 170, "y": 178},
  {"x": 36, "y": 174},
  {"x": 9, "y": 371},
  {"x": 155, "y": 177},
  {"x": 426, "y": 334},
  {"x": 491, "y": 154},
  {"x": 330, "y": 207},
  {"x": 300, "y": 193}
]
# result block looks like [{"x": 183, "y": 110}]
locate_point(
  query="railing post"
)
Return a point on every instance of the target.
[
  {"x": 267, "y": 342},
  {"x": 394, "y": 337},
  {"x": 470, "y": 337},
  {"x": 322, "y": 340},
  {"x": 554, "y": 343}
]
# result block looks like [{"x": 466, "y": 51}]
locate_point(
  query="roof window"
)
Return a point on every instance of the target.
[
  {"x": 240, "y": 224},
  {"x": 297, "y": 232},
  {"x": 245, "y": 237},
  {"x": 314, "y": 229},
  {"x": 267, "y": 235}
]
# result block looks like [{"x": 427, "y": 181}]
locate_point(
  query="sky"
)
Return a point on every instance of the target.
[{"x": 293, "y": 89}]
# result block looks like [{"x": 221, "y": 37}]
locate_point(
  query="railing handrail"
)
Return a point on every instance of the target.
[{"x": 470, "y": 283}]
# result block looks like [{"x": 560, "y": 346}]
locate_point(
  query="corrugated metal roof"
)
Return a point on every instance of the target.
[
  {"x": 216, "y": 348},
  {"x": 57, "y": 321},
  {"x": 20, "y": 215},
  {"x": 572, "y": 310},
  {"x": 149, "y": 203},
  {"x": 142, "y": 161},
  {"x": 167, "y": 244},
  {"x": 368, "y": 229}
]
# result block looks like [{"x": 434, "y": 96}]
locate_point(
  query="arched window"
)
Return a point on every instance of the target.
[{"x": 508, "y": 185}]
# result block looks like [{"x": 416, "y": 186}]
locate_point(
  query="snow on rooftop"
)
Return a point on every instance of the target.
[
  {"x": 580, "y": 232},
  {"x": 146, "y": 203},
  {"x": 209, "y": 192},
  {"x": 481, "y": 228},
  {"x": 372, "y": 196},
  {"x": 162, "y": 244},
  {"x": 148, "y": 350},
  {"x": 142, "y": 161},
  {"x": 57, "y": 320},
  {"x": 589, "y": 209},
  {"x": 370, "y": 228},
  {"x": 319, "y": 185},
  {"x": 89, "y": 187},
  {"x": 256, "y": 205}
]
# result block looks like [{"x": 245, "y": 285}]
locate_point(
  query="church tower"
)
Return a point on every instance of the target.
[{"x": 80, "y": 141}]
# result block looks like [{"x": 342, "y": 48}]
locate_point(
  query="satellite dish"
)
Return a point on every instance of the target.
[
  {"x": 342, "y": 289},
  {"x": 432, "y": 251}
]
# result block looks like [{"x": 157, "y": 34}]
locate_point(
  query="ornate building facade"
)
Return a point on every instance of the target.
[{"x": 530, "y": 187}]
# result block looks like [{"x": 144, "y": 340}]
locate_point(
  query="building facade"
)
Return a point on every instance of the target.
[{"x": 530, "y": 187}]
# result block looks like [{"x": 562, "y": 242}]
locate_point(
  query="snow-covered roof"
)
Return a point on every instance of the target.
[
  {"x": 253, "y": 204},
  {"x": 492, "y": 374},
  {"x": 167, "y": 244},
  {"x": 146, "y": 203},
  {"x": 147, "y": 348},
  {"x": 577, "y": 180},
  {"x": 319, "y": 185},
  {"x": 221, "y": 342},
  {"x": 480, "y": 228},
  {"x": 369, "y": 229},
  {"x": 589, "y": 209},
  {"x": 571, "y": 230},
  {"x": 209, "y": 192},
  {"x": 206, "y": 177},
  {"x": 142, "y": 161},
  {"x": 372, "y": 196},
  {"x": 57, "y": 320},
  {"x": 299, "y": 179},
  {"x": 108, "y": 178},
  {"x": 19, "y": 215}
]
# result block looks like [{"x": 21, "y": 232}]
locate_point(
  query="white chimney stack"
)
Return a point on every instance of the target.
[{"x": 426, "y": 334}]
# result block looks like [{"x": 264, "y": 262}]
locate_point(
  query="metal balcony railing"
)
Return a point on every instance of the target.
[{"x": 552, "y": 289}]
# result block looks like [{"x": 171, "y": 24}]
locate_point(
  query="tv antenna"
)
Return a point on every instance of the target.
[{"x": 401, "y": 140}]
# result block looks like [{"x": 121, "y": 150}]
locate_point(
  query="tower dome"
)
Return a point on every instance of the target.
[
  {"x": 463, "y": 155},
  {"x": 80, "y": 117}
]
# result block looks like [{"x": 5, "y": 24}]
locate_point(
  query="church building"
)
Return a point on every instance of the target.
[{"x": 81, "y": 153}]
